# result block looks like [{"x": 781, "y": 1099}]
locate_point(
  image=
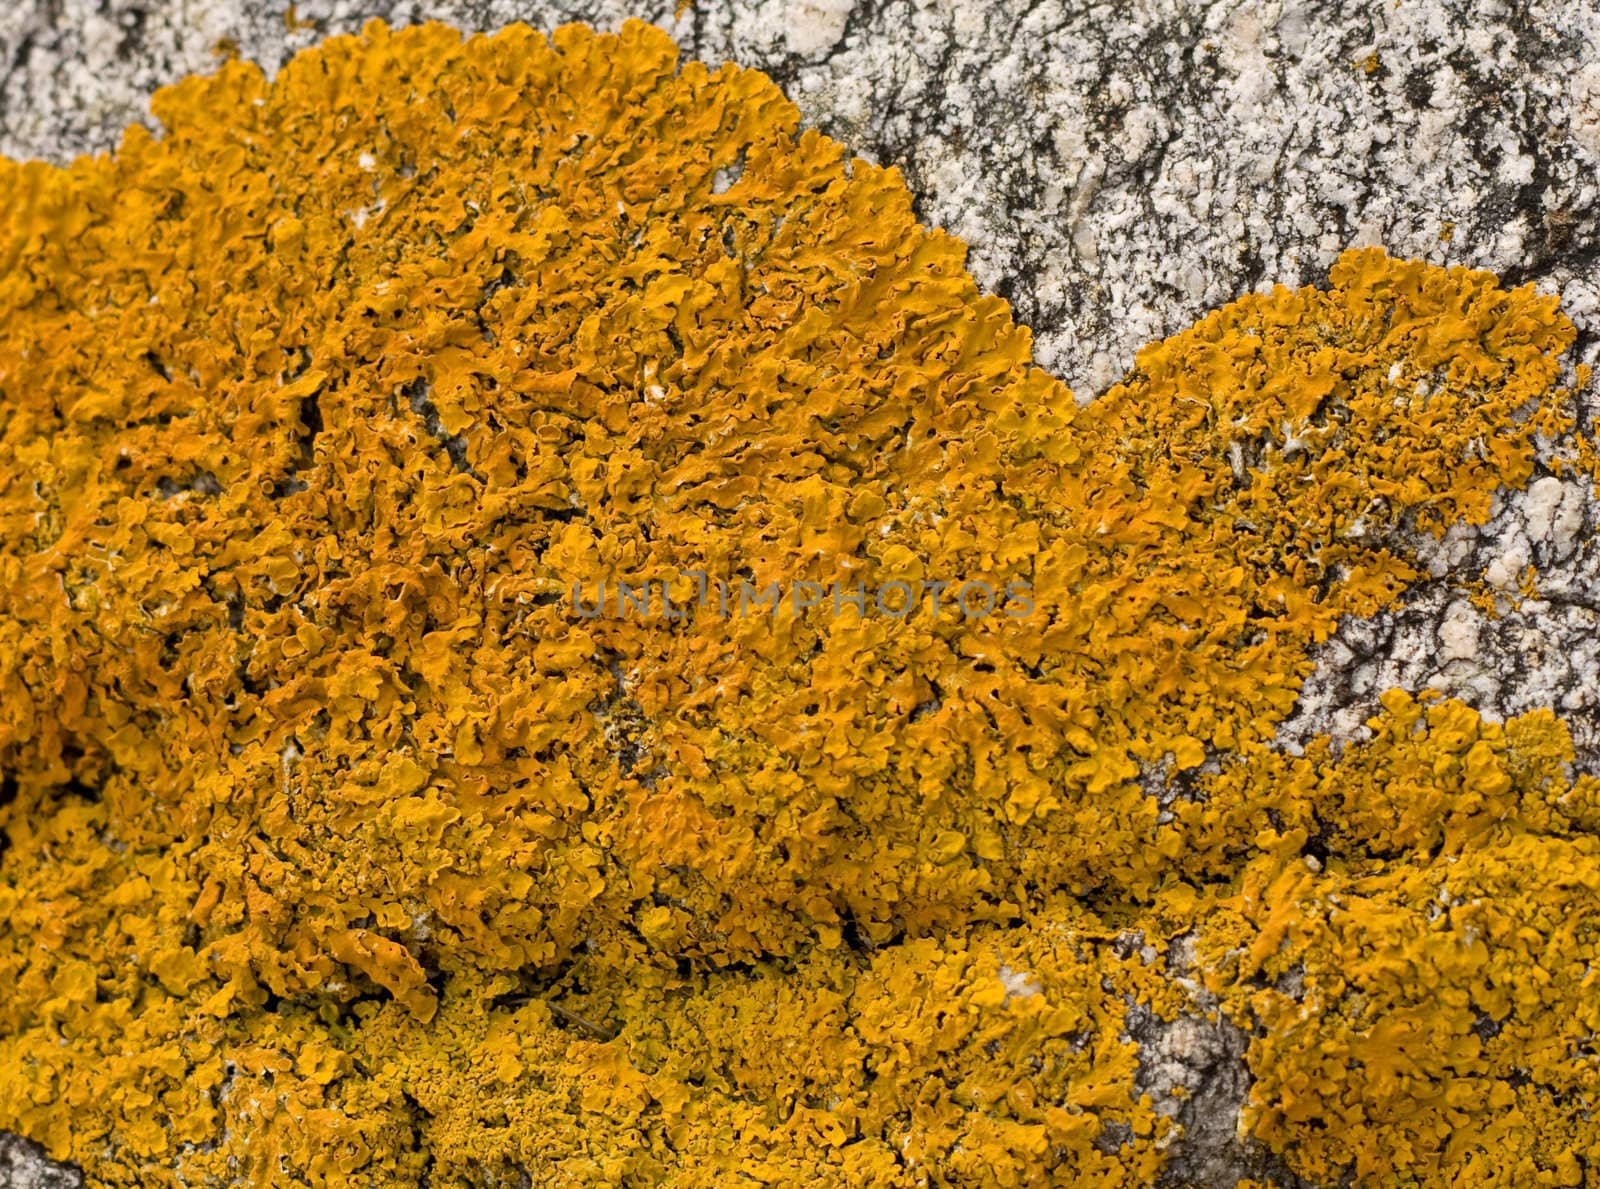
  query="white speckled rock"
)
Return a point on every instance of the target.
[{"x": 22, "y": 1167}]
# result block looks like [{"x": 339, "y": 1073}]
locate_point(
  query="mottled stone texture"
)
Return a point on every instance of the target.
[
  {"x": 22, "y": 1167},
  {"x": 1116, "y": 169}
]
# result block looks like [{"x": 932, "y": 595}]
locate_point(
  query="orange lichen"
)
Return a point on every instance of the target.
[
  {"x": 1423, "y": 993},
  {"x": 339, "y": 849}
]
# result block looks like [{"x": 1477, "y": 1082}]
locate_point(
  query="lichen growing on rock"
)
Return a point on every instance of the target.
[{"x": 338, "y": 849}]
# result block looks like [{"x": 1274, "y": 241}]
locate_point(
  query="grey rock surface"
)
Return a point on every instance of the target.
[
  {"x": 1116, "y": 170},
  {"x": 23, "y": 1167}
]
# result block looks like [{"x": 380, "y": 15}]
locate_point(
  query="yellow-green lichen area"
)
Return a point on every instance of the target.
[{"x": 339, "y": 850}]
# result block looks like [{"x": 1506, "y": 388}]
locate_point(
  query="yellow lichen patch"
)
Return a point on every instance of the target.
[
  {"x": 342, "y": 845},
  {"x": 998, "y": 1060},
  {"x": 1422, "y": 995}
]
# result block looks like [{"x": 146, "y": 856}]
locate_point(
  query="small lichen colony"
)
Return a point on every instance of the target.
[{"x": 339, "y": 850}]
